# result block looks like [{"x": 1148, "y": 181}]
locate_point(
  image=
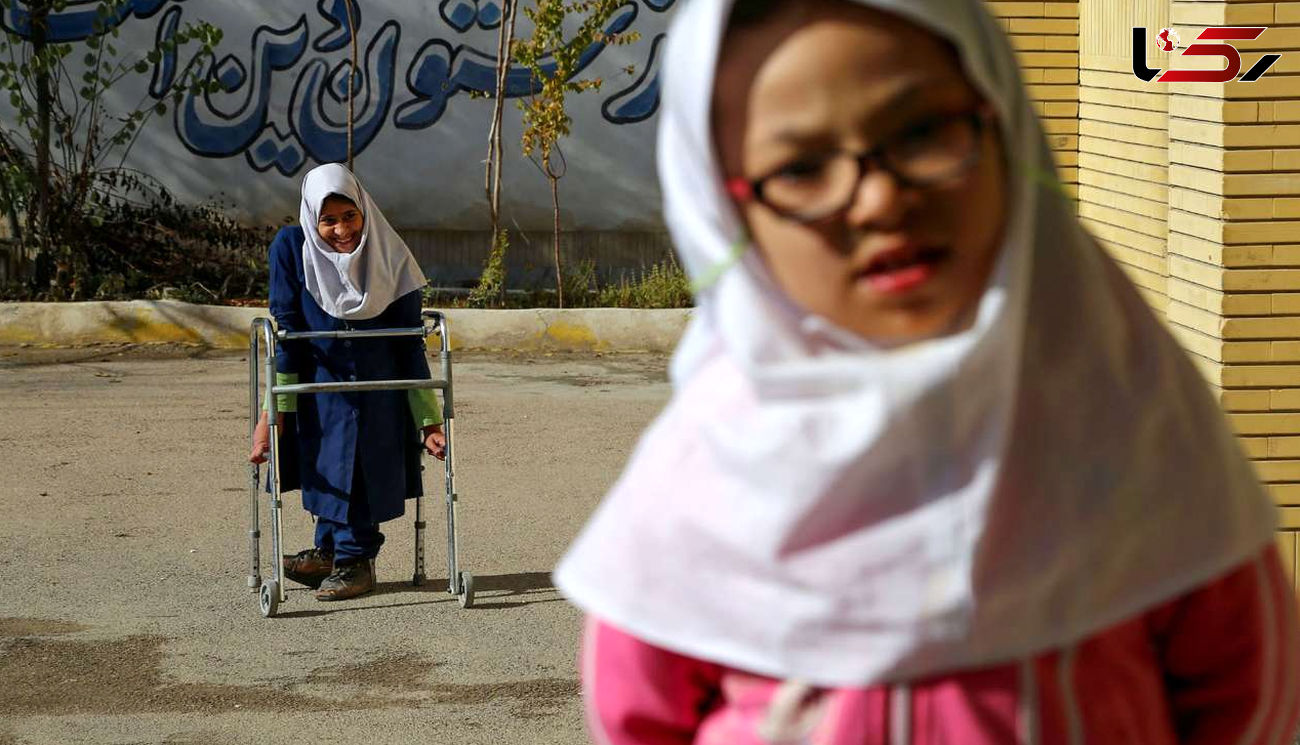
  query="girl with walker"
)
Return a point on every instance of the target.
[
  {"x": 932, "y": 472},
  {"x": 355, "y": 455}
]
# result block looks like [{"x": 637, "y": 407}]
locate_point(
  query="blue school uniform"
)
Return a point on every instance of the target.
[{"x": 355, "y": 456}]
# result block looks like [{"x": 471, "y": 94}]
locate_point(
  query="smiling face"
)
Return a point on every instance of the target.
[
  {"x": 801, "y": 91},
  {"x": 340, "y": 224}
]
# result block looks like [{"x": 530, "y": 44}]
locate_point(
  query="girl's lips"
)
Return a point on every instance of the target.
[{"x": 902, "y": 269}]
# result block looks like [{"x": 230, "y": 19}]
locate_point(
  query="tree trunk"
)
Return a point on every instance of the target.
[
  {"x": 352, "y": 77},
  {"x": 492, "y": 171},
  {"x": 555, "y": 206},
  {"x": 38, "y": 220}
]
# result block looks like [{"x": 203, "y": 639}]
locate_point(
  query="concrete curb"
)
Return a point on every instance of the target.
[{"x": 224, "y": 327}]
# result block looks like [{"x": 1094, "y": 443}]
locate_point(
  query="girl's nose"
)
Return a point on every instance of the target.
[{"x": 879, "y": 202}]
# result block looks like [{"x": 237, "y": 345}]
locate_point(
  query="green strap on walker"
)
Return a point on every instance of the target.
[{"x": 285, "y": 403}]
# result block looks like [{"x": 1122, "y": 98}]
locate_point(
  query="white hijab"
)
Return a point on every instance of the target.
[
  {"x": 358, "y": 285},
  {"x": 808, "y": 506}
]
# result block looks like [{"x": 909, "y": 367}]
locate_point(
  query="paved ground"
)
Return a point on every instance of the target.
[{"x": 124, "y": 617}]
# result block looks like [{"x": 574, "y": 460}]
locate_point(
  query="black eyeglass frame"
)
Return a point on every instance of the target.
[{"x": 751, "y": 190}]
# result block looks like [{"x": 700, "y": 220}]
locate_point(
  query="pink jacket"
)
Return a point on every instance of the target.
[{"x": 1217, "y": 666}]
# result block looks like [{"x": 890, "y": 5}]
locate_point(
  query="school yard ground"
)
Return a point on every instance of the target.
[{"x": 124, "y": 616}]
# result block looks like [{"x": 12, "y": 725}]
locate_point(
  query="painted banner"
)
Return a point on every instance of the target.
[{"x": 420, "y": 132}]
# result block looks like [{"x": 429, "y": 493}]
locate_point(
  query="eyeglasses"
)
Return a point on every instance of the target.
[{"x": 932, "y": 153}]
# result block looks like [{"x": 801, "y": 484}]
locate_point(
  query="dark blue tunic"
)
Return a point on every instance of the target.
[{"x": 338, "y": 432}]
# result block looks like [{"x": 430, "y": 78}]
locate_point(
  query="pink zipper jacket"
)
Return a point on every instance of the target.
[{"x": 1217, "y": 666}]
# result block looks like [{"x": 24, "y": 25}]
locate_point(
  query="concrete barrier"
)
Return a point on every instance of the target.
[{"x": 224, "y": 327}]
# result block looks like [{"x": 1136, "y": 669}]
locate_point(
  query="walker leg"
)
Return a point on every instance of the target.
[{"x": 417, "y": 580}]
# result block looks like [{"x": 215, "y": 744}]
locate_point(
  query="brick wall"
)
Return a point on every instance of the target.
[{"x": 1195, "y": 190}]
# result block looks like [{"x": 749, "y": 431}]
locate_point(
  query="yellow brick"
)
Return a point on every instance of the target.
[
  {"x": 1196, "y": 272},
  {"x": 1141, "y": 171},
  {"x": 1120, "y": 80},
  {"x": 1223, "y": 209},
  {"x": 1285, "y": 492},
  {"x": 1284, "y": 304},
  {"x": 1196, "y": 225},
  {"x": 1138, "y": 223},
  {"x": 1283, "y": 399},
  {"x": 1244, "y": 401},
  {"x": 1278, "y": 184},
  {"x": 1061, "y": 108},
  {"x": 1123, "y": 184},
  {"x": 1028, "y": 44},
  {"x": 1211, "y": 371},
  {"x": 1205, "y": 346},
  {"x": 1286, "y": 207},
  {"x": 1066, "y": 158},
  {"x": 1103, "y": 62},
  {"x": 1154, "y": 298},
  {"x": 1275, "y": 471},
  {"x": 1061, "y": 76},
  {"x": 1117, "y": 200},
  {"x": 1261, "y": 280},
  {"x": 1198, "y": 179},
  {"x": 1156, "y": 156},
  {"x": 1289, "y": 518},
  {"x": 1265, "y": 424},
  {"x": 1221, "y": 14},
  {"x": 1261, "y": 135},
  {"x": 1287, "y": 13},
  {"x": 1218, "y": 159},
  {"x": 1264, "y": 231},
  {"x": 1061, "y": 10},
  {"x": 1060, "y": 126},
  {"x": 1123, "y": 99},
  {"x": 1216, "y": 110},
  {"x": 1150, "y": 281},
  {"x": 1283, "y": 351},
  {"x": 1140, "y": 259},
  {"x": 1123, "y": 236},
  {"x": 1207, "y": 323},
  {"x": 1282, "y": 447},
  {"x": 1016, "y": 10},
  {"x": 1061, "y": 44},
  {"x": 1196, "y": 296},
  {"x": 1255, "y": 447},
  {"x": 1154, "y": 120},
  {"x": 1267, "y": 327},
  {"x": 1251, "y": 352},
  {"x": 1044, "y": 26},
  {"x": 1053, "y": 92},
  {"x": 1158, "y": 138},
  {"x": 1286, "y": 160}
]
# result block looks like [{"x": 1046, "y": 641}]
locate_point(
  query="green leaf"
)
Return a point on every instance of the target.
[
  {"x": 142, "y": 67},
  {"x": 160, "y": 109},
  {"x": 153, "y": 56},
  {"x": 88, "y": 60}
]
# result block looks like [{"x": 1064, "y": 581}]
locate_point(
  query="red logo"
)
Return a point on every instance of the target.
[{"x": 1167, "y": 41}]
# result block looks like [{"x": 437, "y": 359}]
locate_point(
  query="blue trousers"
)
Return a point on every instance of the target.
[{"x": 359, "y": 537}]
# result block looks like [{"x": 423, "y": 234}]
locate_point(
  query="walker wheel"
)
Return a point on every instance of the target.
[
  {"x": 466, "y": 596},
  {"x": 269, "y": 598}
]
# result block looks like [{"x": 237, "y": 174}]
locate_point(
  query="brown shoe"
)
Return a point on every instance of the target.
[
  {"x": 348, "y": 580},
  {"x": 309, "y": 567}
]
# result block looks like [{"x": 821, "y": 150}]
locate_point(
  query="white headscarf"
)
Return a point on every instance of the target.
[
  {"x": 809, "y": 506},
  {"x": 361, "y": 284}
]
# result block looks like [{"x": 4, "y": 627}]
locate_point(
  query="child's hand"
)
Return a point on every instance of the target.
[
  {"x": 262, "y": 437},
  {"x": 435, "y": 441}
]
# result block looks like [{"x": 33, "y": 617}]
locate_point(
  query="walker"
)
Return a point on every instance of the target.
[{"x": 261, "y": 348}]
